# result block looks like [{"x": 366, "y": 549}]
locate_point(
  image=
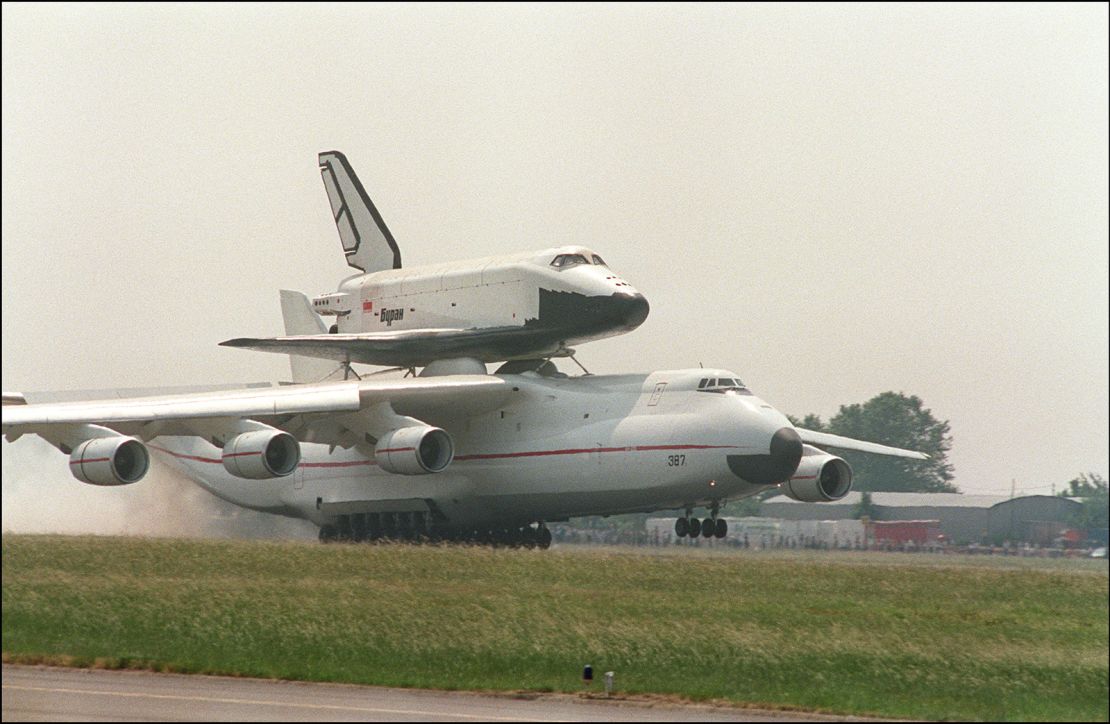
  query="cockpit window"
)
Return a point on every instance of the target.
[
  {"x": 599, "y": 261},
  {"x": 564, "y": 261},
  {"x": 723, "y": 385}
]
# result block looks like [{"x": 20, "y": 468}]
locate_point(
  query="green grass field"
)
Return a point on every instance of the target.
[{"x": 895, "y": 635}]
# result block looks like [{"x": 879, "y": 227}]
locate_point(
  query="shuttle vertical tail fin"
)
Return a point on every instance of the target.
[
  {"x": 366, "y": 239},
  {"x": 300, "y": 319}
]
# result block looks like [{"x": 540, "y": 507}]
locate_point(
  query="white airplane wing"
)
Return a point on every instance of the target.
[
  {"x": 825, "y": 439},
  {"x": 327, "y": 412},
  {"x": 240, "y": 403}
]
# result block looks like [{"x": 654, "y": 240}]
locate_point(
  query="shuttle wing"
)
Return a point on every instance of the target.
[
  {"x": 325, "y": 412},
  {"x": 824, "y": 439},
  {"x": 409, "y": 348}
]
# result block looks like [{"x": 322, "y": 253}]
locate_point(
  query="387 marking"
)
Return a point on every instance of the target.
[{"x": 676, "y": 460}]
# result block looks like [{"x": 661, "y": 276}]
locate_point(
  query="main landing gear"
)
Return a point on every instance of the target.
[
  {"x": 526, "y": 537},
  {"x": 712, "y": 527},
  {"x": 416, "y": 528}
]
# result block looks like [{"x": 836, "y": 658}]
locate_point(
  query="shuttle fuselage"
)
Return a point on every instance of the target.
[{"x": 575, "y": 302}]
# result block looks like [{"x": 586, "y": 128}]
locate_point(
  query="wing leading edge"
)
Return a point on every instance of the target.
[
  {"x": 310, "y": 412},
  {"x": 825, "y": 439}
]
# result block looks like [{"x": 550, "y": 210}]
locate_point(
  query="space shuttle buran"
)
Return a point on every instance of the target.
[
  {"x": 452, "y": 453},
  {"x": 533, "y": 305}
]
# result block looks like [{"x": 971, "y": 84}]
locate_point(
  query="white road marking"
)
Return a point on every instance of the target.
[{"x": 256, "y": 702}]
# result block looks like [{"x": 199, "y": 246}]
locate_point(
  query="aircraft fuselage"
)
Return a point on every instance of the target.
[{"x": 557, "y": 448}]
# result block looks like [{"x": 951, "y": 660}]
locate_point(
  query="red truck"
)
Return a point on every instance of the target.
[{"x": 898, "y": 532}]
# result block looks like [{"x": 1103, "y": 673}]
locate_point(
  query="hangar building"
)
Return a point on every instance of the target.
[{"x": 963, "y": 518}]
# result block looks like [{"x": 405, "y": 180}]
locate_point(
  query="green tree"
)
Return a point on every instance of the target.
[
  {"x": 1094, "y": 496},
  {"x": 864, "y": 508},
  {"x": 809, "y": 422},
  {"x": 1083, "y": 486},
  {"x": 892, "y": 418}
]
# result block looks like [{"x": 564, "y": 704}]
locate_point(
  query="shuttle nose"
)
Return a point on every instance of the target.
[
  {"x": 631, "y": 309},
  {"x": 775, "y": 467},
  {"x": 587, "y": 316}
]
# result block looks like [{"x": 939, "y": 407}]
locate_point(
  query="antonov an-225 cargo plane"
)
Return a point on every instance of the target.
[{"x": 452, "y": 453}]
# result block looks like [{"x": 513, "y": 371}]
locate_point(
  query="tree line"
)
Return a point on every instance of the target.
[{"x": 894, "y": 419}]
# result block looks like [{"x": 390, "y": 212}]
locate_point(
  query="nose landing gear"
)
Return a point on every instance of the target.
[{"x": 711, "y": 527}]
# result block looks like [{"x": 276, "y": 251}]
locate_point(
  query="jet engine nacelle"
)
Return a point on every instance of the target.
[
  {"x": 415, "y": 450},
  {"x": 820, "y": 478},
  {"x": 114, "y": 460},
  {"x": 262, "y": 454}
]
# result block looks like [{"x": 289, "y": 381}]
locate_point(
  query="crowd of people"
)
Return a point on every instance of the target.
[{"x": 571, "y": 535}]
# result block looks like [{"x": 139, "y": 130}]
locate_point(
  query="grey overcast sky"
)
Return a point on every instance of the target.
[{"x": 833, "y": 201}]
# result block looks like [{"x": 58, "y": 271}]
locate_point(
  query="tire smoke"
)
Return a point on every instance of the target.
[{"x": 40, "y": 496}]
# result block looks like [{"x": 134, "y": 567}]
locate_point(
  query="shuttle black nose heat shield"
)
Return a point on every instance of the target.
[
  {"x": 632, "y": 309},
  {"x": 775, "y": 467},
  {"x": 580, "y": 316}
]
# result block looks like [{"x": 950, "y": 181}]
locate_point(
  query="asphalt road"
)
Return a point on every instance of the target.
[{"x": 36, "y": 693}]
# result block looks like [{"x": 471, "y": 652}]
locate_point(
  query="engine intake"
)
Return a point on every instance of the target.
[
  {"x": 415, "y": 451},
  {"x": 262, "y": 454},
  {"x": 115, "y": 460},
  {"x": 820, "y": 478}
]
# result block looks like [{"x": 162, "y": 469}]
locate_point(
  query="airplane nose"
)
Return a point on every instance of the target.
[
  {"x": 775, "y": 467},
  {"x": 631, "y": 309},
  {"x": 786, "y": 450}
]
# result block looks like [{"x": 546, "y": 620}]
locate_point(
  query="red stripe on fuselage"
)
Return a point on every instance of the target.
[
  {"x": 188, "y": 457},
  {"x": 481, "y": 456},
  {"x": 583, "y": 450},
  {"x": 347, "y": 464}
]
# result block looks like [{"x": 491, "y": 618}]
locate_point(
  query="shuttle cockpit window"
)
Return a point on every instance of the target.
[
  {"x": 723, "y": 385},
  {"x": 599, "y": 261},
  {"x": 565, "y": 261}
]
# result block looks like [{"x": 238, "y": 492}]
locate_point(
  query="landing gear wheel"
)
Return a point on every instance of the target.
[
  {"x": 681, "y": 527},
  {"x": 328, "y": 533},
  {"x": 722, "y": 528},
  {"x": 695, "y": 527},
  {"x": 708, "y": 527},
  {"x": 544, "y": 538},
  {"x": 389, "y": 527}
]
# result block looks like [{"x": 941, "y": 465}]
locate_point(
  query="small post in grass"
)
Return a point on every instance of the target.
[{"x": 587, "y": 676}]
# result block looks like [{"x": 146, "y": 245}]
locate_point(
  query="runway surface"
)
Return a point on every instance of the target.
[{"x": 35, "y": 693}]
